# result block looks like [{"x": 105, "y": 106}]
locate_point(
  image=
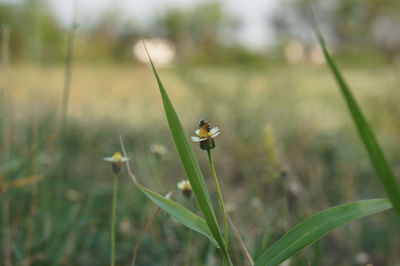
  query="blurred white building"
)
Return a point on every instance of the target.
[
  {"x": 297, "y": 52},
  {"x": 162, "y": 51}
]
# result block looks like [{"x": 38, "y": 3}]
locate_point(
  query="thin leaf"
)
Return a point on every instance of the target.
[
  {"x": 316, "y": 226},
  {"x": 176, "y": 210},
  {"x": 179, "y": 212},
  {"x": 376, "y": 155},
  {"x": 191, "y": 165}
]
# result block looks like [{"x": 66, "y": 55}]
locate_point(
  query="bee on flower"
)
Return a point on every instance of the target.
[
  {"x": 186, "y": 188},
  {"x": 116, "y": 161},
  {"x": 205, "y": 135}
]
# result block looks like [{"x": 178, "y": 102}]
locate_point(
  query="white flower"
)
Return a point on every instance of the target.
[
  {"x": 116, "y": 158},
  {"x": 203, "y": 134},
  {"x": 158, "y": 150},
  {"x": 185, "y": 187}
]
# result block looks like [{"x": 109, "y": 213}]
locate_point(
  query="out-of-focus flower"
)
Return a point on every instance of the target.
[
  {"x": 256, "y": 203},
  {"x": 116, "y": 160},
  {"x": 168, "y": 195},
  {"x": 230, "y": 207},
  {"x": 186, "y": 188},
  {"x": 158, "y": 150},
  {"x": 205, "y": 135},
  {"x": 73, "y": 195},
  {"x": 361, "y": 258},
  {"x": 125, "y": 226}
]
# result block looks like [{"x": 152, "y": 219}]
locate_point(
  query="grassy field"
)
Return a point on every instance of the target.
[{"x": 287, "y": 149}]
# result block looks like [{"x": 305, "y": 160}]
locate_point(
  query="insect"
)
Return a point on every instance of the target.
[{"x": 205, "y": 124}]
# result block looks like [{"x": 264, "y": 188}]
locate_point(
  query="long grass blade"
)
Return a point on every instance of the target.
[
  {"x": 316, "y": 226},
  {"x": 376, "y": 155},
  {"x": 190, "y": 165},
  {"x": 179, "y": 212}
]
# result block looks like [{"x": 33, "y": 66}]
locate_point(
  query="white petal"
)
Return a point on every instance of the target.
[
  {"x": 215, "y": 134},
  {"x": 214, "y": 130},
  {"x": 197, "y": 131},
  {"x": 125, "y": 159},
  {"x": 196, "y": 139},
  {"x": 181, "y": 184},
  {"x": 109, "y": 159}
]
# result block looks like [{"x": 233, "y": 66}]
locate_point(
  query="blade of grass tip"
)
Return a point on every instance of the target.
[
  {"x": 190, "y": 164},
  {"x": 176, "y": 210},
  {"x": 316, "y": 226},
  {"x": 376, "y": 155}
]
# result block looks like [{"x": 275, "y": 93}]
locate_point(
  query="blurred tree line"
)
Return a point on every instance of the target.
[
  {"x": 204, "y": 33},
  {"x": 200, "y": 34},
  {"x": 352, "y": 26},
  {"x": 35, "y": 33}
]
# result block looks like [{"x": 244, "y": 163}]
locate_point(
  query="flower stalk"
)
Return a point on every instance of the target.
[
  {"x": 220, "y": 198},
  {"x": 205, "y": 135},
  {"x": 116, "y": 161},
  {"x": 113, "y": 218}
]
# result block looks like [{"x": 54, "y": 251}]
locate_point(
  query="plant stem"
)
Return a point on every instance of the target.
[
  {"x": 68, "y": 77},
  {"x": 7, "y": 141},
  {"x": 113, "y": 212},
  {"x": 220, "y": 199},
  {"x": 140, "y": 238},
  {"x": 241, "y": 243},
  {"x": 188, "y": 248}
]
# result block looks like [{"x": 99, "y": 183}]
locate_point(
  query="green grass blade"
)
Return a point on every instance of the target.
[
  {"x": 377, "y": 157},
  {"x": 190, "y": 165},
  {"x": 179, "y": 212},
  {"x": 316, "y": 226}
]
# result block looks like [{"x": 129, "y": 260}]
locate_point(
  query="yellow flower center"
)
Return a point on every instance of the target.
[
  {"x": 117, "y": 157},
  {"x": 184, "y": 185},
  {"x": 204, "y": 133}
]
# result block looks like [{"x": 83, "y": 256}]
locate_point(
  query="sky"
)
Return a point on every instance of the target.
[{"x": 253, "y": 13}]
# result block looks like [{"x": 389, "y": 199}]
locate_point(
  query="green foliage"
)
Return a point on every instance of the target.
[
  {"x": 191, "y": 166},
  {"x": 316, "y": 226},
  {"x": 353, "y": 24},
  {"x": 239, "y": 108},
  {"x": 35, "y": 32},
  {"x": 180, "y": 213},
  {"x": 377, "y": 157}
]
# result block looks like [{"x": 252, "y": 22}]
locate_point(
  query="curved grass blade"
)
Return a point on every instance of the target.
[
  {"x": 316, "y": 226},
  {"x": 176, "y": 210},
  {"x": 191, "y": 165},
  {"x": 179, "y": 212},
  {"x": 376, "y": 155}
]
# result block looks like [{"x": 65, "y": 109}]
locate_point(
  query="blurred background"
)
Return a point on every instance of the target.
[{"x": 74, "y": 76}]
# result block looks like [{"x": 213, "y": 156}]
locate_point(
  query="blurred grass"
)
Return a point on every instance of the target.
[{"x": 318, "y": 157}]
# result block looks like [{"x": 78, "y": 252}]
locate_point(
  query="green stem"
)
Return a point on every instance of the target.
[
  {"x": 220, "y": 199},
  {"x": 113, "y": 212},
  {"x": 188, "y": 247}
]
